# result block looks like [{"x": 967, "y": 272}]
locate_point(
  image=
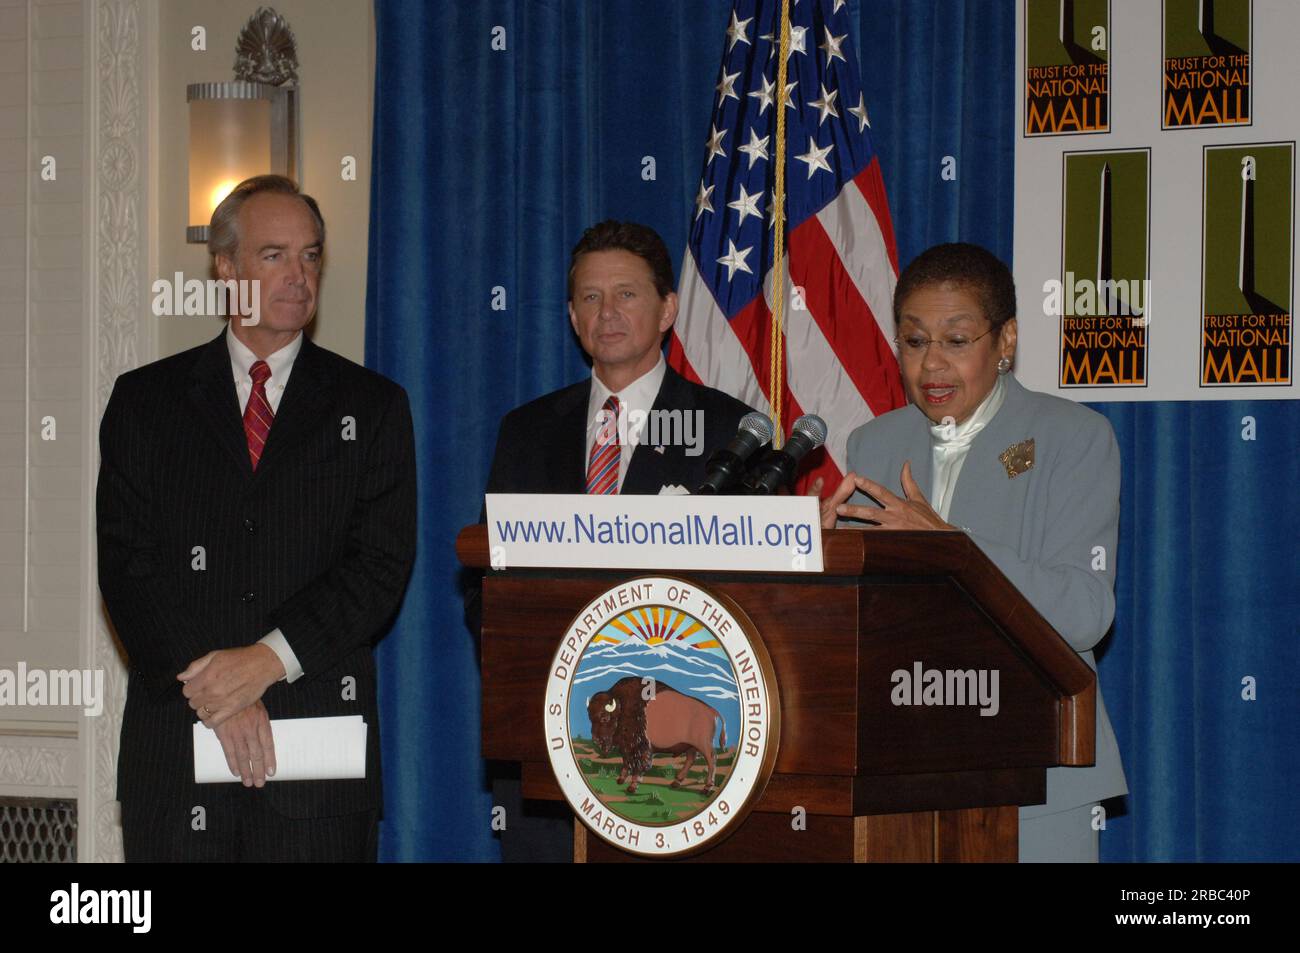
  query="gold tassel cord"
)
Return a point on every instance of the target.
[{"x": 776, "y": 383}]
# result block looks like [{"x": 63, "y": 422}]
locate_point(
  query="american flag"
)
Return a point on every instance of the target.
[{"x": 841, "y": 261}]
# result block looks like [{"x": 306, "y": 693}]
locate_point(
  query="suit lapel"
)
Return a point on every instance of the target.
[
  {"x": 306, "y": 397},
  {"x": 566, "y": 468},
  {"x": 980, "y": 473},
  {"x": 922, "y": 457},
  {"x": 647, "y": 471},
  {"x": 216, "y": 405},
  {"x": 920, "y": 452}
]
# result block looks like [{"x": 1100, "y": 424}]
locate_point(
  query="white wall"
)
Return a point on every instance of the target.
[{"x": 43, "y": 384}]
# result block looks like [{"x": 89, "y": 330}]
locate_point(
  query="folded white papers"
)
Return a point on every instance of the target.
[{"x": 306, "y": 749}]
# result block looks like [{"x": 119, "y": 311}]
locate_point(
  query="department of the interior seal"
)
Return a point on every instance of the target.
[{"x": 662, "y": 716}]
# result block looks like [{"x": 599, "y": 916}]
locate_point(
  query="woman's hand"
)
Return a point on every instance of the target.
[{"x": 912, "y": 512}]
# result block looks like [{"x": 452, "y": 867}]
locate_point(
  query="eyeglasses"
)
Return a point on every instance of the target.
[{"x": 913, "y": 345}]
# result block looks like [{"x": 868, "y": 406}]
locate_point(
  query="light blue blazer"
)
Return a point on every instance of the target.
[{"x": 1042, "y": 528}]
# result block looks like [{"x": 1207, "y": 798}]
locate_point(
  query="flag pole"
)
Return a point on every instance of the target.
[{"x": 776, "y": 383}]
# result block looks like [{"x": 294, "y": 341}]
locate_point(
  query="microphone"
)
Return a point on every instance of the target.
[
  {"x": 726, "y": 466},
  {"x": 778, "y": 467}
]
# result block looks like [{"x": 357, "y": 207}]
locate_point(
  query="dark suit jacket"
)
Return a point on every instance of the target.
[
  {"x": 542, "y": 445},
  {"x": 318, "y": 542}
]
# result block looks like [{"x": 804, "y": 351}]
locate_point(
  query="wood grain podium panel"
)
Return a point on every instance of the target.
[{"x": 980, "y": 835}]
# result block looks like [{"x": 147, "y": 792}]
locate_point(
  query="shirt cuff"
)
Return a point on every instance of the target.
[{"x": 277, "y": 643}]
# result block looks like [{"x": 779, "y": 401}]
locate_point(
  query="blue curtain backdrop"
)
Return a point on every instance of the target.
[{"x": 487, "y": 165}]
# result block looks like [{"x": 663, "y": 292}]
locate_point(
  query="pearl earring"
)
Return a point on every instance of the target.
[{"x": 1004, "y": 365}]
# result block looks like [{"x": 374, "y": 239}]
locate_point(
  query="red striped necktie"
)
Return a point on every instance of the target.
[
  {"x": 258, "y": 415},
  {"x": 602, "y": 468}
]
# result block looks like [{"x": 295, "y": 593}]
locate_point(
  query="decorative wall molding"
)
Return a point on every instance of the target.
[
  {"x": 37, "y": 766},
  {"x": 120, "y": 61},
  {"x": 37, "y": 729}
]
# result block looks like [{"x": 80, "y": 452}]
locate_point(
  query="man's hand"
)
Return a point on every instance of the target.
[
  {"x": 227, "y": 681},
  {"x": 246, "y": 740},
  {"x": 914, "y": 512}
]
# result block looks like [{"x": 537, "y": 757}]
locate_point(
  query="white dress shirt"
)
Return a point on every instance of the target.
[
  {"x": 951, "y": 442},
  {"x": 635, "y": 403},
  {"x": 281, "y": 365}
]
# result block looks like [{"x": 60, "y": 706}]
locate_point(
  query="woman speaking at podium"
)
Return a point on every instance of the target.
[{"x": 1032, "y": 478}]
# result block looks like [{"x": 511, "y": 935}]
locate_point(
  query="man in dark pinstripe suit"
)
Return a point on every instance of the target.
[{"x": 256, "y": 522}]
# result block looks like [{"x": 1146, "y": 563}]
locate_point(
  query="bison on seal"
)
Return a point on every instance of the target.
[{"x": 667, "y": 722}]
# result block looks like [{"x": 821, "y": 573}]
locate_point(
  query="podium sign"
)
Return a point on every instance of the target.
[{"x": 770, "y": 534}]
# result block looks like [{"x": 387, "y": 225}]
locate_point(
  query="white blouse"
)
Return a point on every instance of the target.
[{"x": 951, "y": 442}]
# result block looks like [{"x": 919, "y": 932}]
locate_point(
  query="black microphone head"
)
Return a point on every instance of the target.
[
  {"x": 813, "y": 428},
  {"x": 758, "y": 425},
  {"x": 778, "y": 467}
]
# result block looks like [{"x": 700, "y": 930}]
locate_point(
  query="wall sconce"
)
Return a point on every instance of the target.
[{"x": 247, "y": 127}]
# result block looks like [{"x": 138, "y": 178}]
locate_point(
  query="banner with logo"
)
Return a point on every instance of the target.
[
  {"x": 1246, "y": 272},
  {"x": 1105, "y": 256},
  {"x": 1206, "y": 78},
  {"x": 1067, "y": 69},
  {"x": 1155, "y": 212}
]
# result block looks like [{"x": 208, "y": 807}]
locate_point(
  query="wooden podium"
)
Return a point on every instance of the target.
[{"x": 878, "y": 781}]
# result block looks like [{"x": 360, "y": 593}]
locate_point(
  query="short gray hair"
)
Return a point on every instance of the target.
[{"x": 223, "y": 231}]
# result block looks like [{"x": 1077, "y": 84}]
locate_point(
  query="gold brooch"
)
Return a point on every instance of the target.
[{"x": 1018, "y": 458}]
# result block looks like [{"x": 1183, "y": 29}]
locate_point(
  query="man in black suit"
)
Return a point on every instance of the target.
[
  {"x": 621, "y": 304},
  {"x": 635, "y": 426},
  {"x": 256, "y": 514}
]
